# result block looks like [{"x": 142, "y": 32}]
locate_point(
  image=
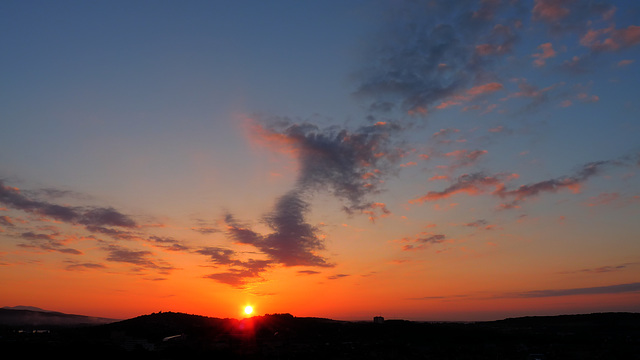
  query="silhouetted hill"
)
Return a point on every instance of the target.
[{"x": 170, "y": 335}]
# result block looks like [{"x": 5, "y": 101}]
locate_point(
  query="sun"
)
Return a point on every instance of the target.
[{"x": 248, "y": 310}]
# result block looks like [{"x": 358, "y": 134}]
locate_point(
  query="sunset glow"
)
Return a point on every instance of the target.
[{"x": 424, "y": 160}]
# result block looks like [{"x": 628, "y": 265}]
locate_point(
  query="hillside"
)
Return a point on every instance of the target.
[{"x": 169, "y": 335}]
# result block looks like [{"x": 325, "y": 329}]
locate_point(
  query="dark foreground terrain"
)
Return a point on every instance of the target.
[{"x": 283, "y": 336}]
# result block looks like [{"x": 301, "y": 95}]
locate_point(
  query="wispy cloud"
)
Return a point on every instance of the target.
[
  {"x": 337, "y": 276},
  {"x": 422, "y": 241},
  {"x": 433, "y": 52},
  {"x": 47, "y": 242},
  {"x": 596, "y": 290},
  {"x": 140, "y": 258},
  {"x": 471, "y": 184},
  {"x": 546, "y": 52},
  {"x": 89, "y": 216},
  {"x": 601, "y": 269},
  {"x": 82, "y": 266}
]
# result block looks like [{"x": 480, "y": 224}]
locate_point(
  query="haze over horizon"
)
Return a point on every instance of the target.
[{"x": 423, "y": 160}]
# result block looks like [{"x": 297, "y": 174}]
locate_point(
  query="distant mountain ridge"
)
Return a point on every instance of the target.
[
  {"x": 30, "y": 317},
  {"x": 22, "y": 307}
]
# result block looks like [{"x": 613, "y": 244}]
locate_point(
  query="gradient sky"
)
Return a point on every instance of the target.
[{"x": 435, "y": 160}]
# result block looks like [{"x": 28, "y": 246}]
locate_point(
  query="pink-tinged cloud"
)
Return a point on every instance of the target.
[
  {"x": 470, "y": 184},
  {"x": 445, "y": 132},
  {"x": 470, "y": 94},
  {"x": 529, "y": 91},
  {"x": 566, "y": 103},
  {"x": 547, "y": 52},
  {"x": 376, "y": 210},
  {"x": 408, "y": 164},
  {"x": 485, "y": 89},
  {"x": 603, "y": 199},
  {"x": 550, "y": 10},
  {"x": 584, "y": 97},
  {"x": 625, "y": 62},
  {"x": 6, "y": 221},
  {"x": 611, "y": 39},
  {"x": 274, "y": 141},
  {"x": 439, "y": 177},
  {"x": 572, "y": 183}
]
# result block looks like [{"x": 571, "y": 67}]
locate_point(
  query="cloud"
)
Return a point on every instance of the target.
[
  {"x": 337, "y": 276},
  {"x": 168, "y": 243},
  {"x": 6, "y": 221},
  {"x": 481, "y": 224},
  {"x": 625, "y": 62},
  {"x": 205, "y": 230},
  {"x": 611, "y": 39},
  {"x": 89, "y": 216},
  {"x": 547, "y": 52},
  {"x": 578, "y": 64},
  {"x": 219, "y": 256},
  {"x": 445, "y": 132},
  {"x": 601, "y": 269},
  {"x": 82, "y": 266},
  {"x": 464, "y": 157},
  {"x": 472, "y": 184},
  {"x": 433, "y": 51},
  {"x": 550, "y": 10},
  {"x": 573, "y": 183},
  {"x": 47, "y": 242},
  {"x": 344, "y": 162},
  {"x": 421, "y": 242},
  {"x": 308, "y": 272},
  {"x": 116, "y": 234},
  {"x": 242, "y": 273},
  {"x": 603, "y": 199},
  {"x": 480, "y": 183},
  {"x": 562, "y": 16},
  {"x": 597, "y": 290},
  {"x": 238, "y": 272},
  {"x": 470, "y": 94},
  {"x": 526, "y": 90},
  {"x": 293, "y": 241},
  {"x": 140, "y": 258}
]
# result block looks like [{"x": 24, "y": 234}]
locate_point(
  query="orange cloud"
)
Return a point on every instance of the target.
[
  {"x": 274, "y": 141},
  {"x": 485, "y": 89},
  {"x": 470, "y": 94},
  {"x": 471, "y": 184}
]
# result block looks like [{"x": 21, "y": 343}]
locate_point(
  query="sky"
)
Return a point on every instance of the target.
[{"x": 420, "y": 160}]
